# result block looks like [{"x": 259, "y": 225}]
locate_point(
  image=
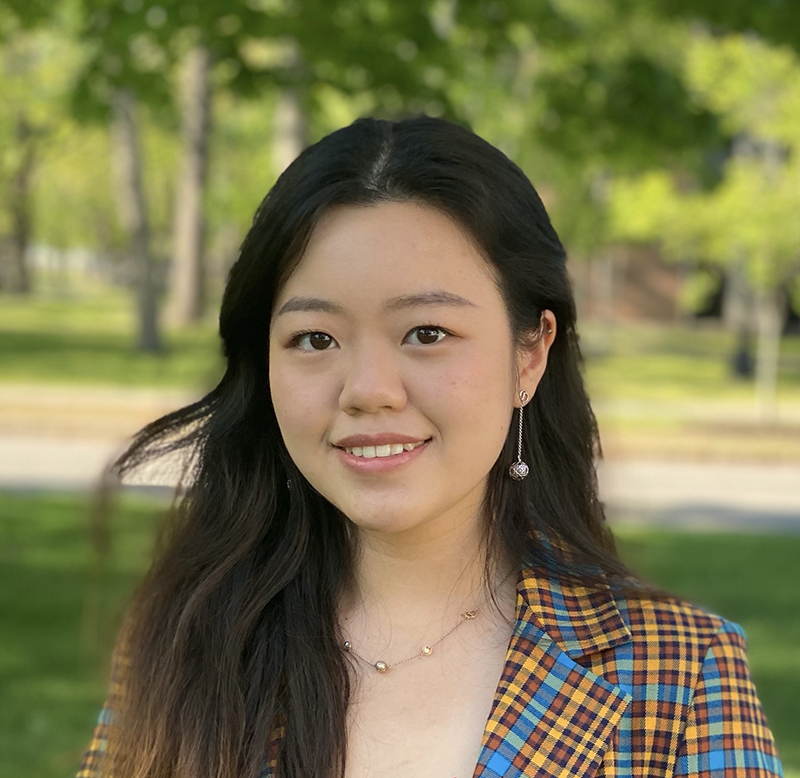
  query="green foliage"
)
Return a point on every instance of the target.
[
  {"x": 698, "y": 290},
  {"x": 754, "y": 87},
  {"x": 776, "y": 21},
  {"x": 16, "y": 15},
  {"x": 576, "y": 93},
  {"x": 71, "y": 198},
  {"x": 241, "y": 169},
  {"x": 585, "y": 96},
  {"x": 752, "y": 214},
  {"x": 375, "y": 46},
  {"x": 36, "y": 71},
  {"x": 609, "y": 88}
]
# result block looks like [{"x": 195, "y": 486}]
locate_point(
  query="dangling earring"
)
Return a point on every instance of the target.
[{"x": 519, "y": 469}]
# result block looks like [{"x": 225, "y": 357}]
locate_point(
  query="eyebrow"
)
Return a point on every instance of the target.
[{"x": 434, "y": 297}]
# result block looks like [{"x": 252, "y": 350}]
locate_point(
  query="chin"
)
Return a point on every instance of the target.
[{"x": 384, "y": 521}]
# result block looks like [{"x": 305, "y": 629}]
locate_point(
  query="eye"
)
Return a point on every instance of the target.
[
  {"x": 317, "y": 341},
  {"x": 428, "y": 334}
]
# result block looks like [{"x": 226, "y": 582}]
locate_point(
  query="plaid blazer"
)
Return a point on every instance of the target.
[{"x": 596, "y": 686}]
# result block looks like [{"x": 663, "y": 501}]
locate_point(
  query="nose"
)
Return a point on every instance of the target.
[{"x": 372, "y": 380}]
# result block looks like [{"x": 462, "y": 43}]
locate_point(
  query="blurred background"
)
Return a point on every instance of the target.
[{"x": 137, "y": 139}]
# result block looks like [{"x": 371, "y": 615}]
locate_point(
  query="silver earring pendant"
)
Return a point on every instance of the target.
[{"x": 519, "y": 469}]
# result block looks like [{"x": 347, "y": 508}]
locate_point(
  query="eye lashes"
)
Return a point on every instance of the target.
[
  {"x": 297, "y": 335},
  {"x": 295, "y": 338}
]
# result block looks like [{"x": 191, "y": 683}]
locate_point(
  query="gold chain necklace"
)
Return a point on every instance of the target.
[{"x": 426, "y": 650}]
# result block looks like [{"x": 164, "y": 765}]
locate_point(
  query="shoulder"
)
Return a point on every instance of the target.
[
  {"x": 671, "y": 643},
  {"x": 693, "y": 707},
  {"x": 687, "y": 703},
  {"x": 676, "y": 629}
]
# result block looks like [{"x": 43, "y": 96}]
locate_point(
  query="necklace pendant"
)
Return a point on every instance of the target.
[
  {"x": 427, "y": 651},
  {"x": 381, "y": 667},
  {"x": 470, "y": 614}
]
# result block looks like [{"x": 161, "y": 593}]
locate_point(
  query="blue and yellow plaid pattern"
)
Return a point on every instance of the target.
[{"x": 601, "y": 687}]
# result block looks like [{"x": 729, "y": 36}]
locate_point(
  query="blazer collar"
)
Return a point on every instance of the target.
[
  {"x": 551, "y": 716},
  {"x": 579, "y": 620}
]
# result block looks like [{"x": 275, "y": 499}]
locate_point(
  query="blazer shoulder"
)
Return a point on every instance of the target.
[{"x": 676, "y": 622}]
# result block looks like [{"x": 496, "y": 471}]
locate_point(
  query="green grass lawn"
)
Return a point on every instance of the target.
[
  {"x": 55, "y": 647},
  {"x": 90, "y": 339},
  {"x": 55, "y": 639},
  {"x": 656, "y": 362}
]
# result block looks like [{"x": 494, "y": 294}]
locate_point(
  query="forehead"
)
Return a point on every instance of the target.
[{"x": 368, "y": 254}]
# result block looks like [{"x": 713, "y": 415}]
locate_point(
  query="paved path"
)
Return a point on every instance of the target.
[
  {"x": 56, "y": 437},
  {"x": 674, "y": 494},
  {"x": 702, "y": 495}
]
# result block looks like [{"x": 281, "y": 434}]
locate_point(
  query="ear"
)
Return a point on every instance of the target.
[{"x": 532, "y": 361}]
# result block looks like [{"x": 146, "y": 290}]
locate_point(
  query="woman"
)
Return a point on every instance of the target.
[{"x": 391, "y": 560}]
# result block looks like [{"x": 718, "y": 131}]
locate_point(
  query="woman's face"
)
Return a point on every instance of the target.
[{"x": 392, "y": 329}]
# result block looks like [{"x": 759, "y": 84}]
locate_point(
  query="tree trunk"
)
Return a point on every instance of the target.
[
  {"x": 188, "y": 267},
  {"x": 737, "y": 306},
  {"x": 578, "y": 272},
  {"x": 130, "y": 194},
  {"x": 602, "y": 294},
  {"x": 769, "y": 318},
  {"x": 602, "y": 284},
  {"x": 737, "y": 300},
  {"x": 291, "y": 129},
  {"x": 19, "y": 280}
]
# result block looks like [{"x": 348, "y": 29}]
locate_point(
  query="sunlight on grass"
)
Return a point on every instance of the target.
[
  {"x": 53, "y": 658},
  {"x": 54, "y": 646},
  {"x": 649, "y": 362},
  {"x": 93, "y": 341}
]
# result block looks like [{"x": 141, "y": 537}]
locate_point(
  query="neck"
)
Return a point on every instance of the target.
[{"x": 413, "y": 586}]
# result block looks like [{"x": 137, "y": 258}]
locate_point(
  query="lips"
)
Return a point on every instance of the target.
[{"x": 380, "y": 464}]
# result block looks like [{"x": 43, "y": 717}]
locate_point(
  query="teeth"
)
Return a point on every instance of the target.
[{"x": 388, "y": 450}]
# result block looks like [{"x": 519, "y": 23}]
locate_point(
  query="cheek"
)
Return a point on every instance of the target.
[
  {"x": 297, "y": 401},
  {"x": 473, "y": 399}
]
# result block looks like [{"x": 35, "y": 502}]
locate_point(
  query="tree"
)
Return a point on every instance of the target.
[
  {"x": 130, "y": 191},
  {"x": 578, "y": 92},
  {"x": 565, "y": 86},
  {"x": 750, "y": 218},
  {"x": 374, "y": 47},
  {"x": 774, "y": 22},
  {"x": 188, "y": 272},
  {"x": 35, "y": 68}
]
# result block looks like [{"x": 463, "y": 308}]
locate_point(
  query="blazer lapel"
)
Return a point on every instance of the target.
[{"x": 551, "y": 716}]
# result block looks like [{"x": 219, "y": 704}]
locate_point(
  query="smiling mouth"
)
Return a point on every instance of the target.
[{"x": 386, "y": 450}]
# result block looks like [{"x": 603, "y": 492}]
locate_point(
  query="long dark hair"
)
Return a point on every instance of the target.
[{"x": 231, "y": 643}]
